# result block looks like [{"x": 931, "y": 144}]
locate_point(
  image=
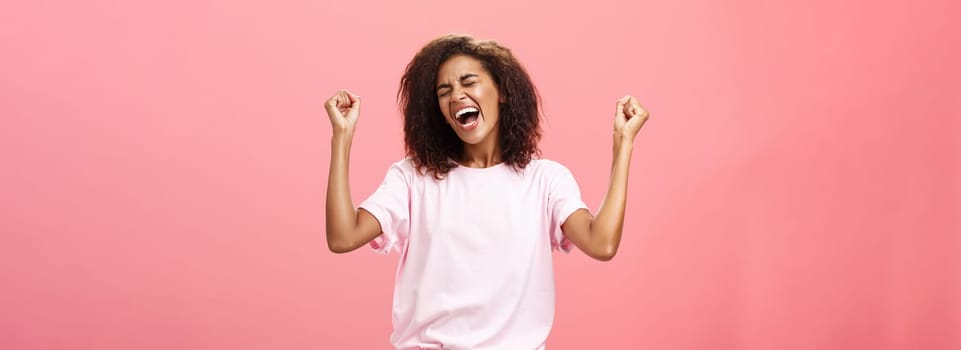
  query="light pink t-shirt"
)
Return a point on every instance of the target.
[{"x": 475, "y": 269}]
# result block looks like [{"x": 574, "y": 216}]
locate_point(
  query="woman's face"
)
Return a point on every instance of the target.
[{"x": 468, "y": 99}]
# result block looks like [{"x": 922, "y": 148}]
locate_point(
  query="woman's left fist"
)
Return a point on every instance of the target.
[{"x": 629, "y": 117}]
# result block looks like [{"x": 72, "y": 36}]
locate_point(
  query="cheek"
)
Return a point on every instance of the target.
[
  {"x": 491, "y": 96},
  {"x": 440, "y": 106}
]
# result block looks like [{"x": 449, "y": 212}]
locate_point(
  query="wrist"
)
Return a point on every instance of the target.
[
  {"x": 342, "y": 136},
  {"x": 623, "y": 143}
]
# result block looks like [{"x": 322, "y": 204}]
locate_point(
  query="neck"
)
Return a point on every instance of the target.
[{"x": 482, "y": 155}]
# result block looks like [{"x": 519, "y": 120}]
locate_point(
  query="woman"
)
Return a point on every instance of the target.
[{"x": 472, "y": 211}]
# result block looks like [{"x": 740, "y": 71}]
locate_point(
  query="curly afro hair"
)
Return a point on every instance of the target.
[{"x": 430, "y": 142}]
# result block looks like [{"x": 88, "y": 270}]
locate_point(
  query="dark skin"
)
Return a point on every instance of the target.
[{"x": 462, "y": 81}]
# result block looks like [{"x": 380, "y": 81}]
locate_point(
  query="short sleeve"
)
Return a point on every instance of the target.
[
  {"x": 564, "y": 199},
  {"x": 390, "y": 205}
]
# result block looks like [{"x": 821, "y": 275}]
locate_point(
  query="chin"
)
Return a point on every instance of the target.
[
  {"x": 474, "y": 139},
  {"x": 469, "y": 141}
]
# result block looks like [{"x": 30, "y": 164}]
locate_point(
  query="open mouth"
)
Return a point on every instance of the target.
[{"x": 467, "y": 115}]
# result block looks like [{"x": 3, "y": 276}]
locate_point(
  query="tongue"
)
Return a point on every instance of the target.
[{"x": 468, "y": 119}]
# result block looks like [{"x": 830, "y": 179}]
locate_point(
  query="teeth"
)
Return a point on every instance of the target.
[{"x": 466, "y": 110}]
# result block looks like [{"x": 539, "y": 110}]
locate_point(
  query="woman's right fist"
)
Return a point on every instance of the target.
[{"x": 343, "y": 109}]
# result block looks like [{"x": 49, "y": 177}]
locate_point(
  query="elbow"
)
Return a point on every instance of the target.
[
  {"x": 605, "y": 254},
  {"x": 604, "y": 257},
  {"x": 338, "y": 249},
  {"x": 339, "y": 246}
]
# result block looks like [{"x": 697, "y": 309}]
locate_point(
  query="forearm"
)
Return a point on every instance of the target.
[
  {"x": 341, "y": 215},
  {"x": 608, "y": 224}
]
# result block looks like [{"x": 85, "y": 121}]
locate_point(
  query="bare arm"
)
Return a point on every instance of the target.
[
  {"x": 599, "y": 237},
  {"x": 347, "y": 228}
]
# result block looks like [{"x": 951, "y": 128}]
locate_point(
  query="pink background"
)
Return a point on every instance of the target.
[{"x": 797, "y": 187}]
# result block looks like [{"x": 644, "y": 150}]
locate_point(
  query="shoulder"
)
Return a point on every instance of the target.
[
  {"x": 408, "y": 169},
  {"x": 547, "y": 166},
  {"x": 406, "y": 165},
  {"x": 403, "y": 168},
  {"x": 549, "y": 171}
]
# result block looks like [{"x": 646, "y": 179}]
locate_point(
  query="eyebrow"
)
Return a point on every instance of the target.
[{"x": 462, "y": 78}]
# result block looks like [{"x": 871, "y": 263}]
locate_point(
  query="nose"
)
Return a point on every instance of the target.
[{"x": 458, "y": 93}]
